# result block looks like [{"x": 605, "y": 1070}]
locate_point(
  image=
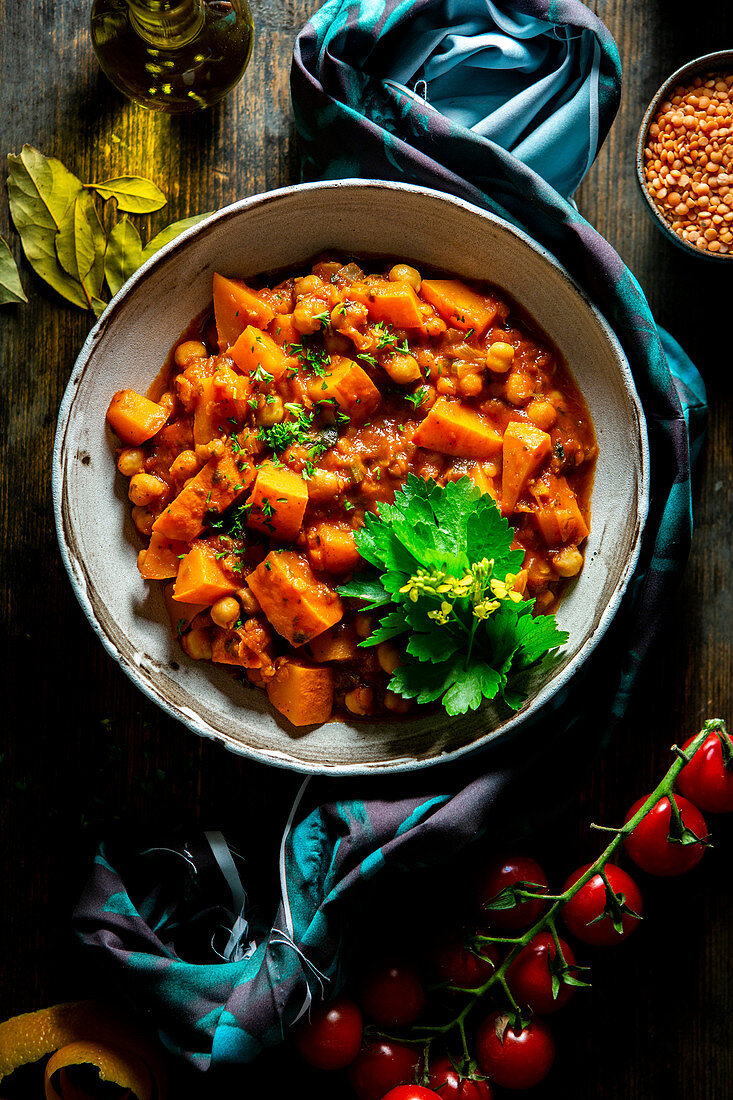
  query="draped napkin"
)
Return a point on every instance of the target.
[{"x": 505, "y": 105}]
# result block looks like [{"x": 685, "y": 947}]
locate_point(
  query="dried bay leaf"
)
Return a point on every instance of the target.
[
  {"x": 81, "y": 244},
  {"x": 170, "y": 233},
  {"x": 11, "y": 288},
  {"x": 124, "y": 254},
  {"x": 95, "y": 278},
  {"x": 134, "y": 194},
  {"x": 41, "y": 192},
  {"x": 75, "y": 243}
]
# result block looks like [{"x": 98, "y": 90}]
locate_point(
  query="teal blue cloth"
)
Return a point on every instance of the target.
[{"x": 520, "y": 95}]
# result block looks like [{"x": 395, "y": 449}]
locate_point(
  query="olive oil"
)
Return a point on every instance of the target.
[{"x": 173, "y": 55}]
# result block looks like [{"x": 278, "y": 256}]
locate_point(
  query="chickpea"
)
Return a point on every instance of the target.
[
  {"x": 363, "y": 625},
  {"x": 308, "y": 314},
  {"x": 167, "y": 401},
  {"x": 403, "y": 273},
  {"x": 248, "y": 600},
  {"x": 309, "y": 284},
  {"x": 270, "y": 412},
  {"x": 324, "y": 484},
  {"x": 500, "y": 357},
  {"x": 396, "y": 703},
  {"x": 402, "y": 369},
  {"x": 185, "y": 465},
  {"x": 544, "y": 599},
  {"x": 225, "y": 612},
  {"x": 336, "y": 343},
  {"x": 143, "y": 519},
  {"x": 568, "y": 562},
  {"x": 542, "y": 413},
  {"x": 213, "y": 449},
  {"x": 388, "y": 656},
  {"x": 519, "y": 388},
  {"x": 446, "y": 386},
  {"x": 470, "y": 385},
  {"x": 197, "y": 644},
  {"x": 347, "y": 316},
  {"x": 145, "y": 489},
  {"x": 188, "y": 350},
  {"x": 359, "y": 701},
  {"x": 131, "y": 461}
]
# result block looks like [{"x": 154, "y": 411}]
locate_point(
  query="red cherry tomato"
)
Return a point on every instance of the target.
[
  {"x": 381, "y": 1065},
  {"x": 393, "y": 996},
  {"x": 411, "y": 1092},
  {"x": 649, "y": 846},
  {"x": 514, "y": 1059},
  {"x": 530, "y": 976},
  {"x": 449, "y": 1084},
  {"x": 705, "y": 780},
  {"x": 456, "y": 964},
  {"x": 504, "y": 872},
  {"x": 590, "y": 901},
  {"x": 331, "y": 1038}
]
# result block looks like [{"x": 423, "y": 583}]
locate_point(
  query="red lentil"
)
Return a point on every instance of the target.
[{"x": 688, "y": 162}]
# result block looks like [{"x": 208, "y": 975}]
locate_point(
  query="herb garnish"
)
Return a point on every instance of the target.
[{"x": 444, "y": 571}]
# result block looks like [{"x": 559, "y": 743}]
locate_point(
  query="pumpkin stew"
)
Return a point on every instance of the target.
[{"x": 294, "y": 409}]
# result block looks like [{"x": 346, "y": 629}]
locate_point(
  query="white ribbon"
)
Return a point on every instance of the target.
[{"x": 286, "y": 936}]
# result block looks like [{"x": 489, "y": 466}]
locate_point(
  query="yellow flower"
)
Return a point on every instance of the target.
[
  {"x": 442, "y": 615},
  {"x": 485, "y": 608},
  {"x": 504, "y": 590}
]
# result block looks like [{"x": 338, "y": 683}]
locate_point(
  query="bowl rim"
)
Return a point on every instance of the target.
[
  {"x": 708, "y": 62},
  {"x": 194, "y": 723}
]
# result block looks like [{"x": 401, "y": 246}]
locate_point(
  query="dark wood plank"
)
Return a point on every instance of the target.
[{"x": 84, "y": 753}]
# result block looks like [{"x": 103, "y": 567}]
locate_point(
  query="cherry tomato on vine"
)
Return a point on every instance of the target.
[
  {"x": 381, "y": 1065},
  {"x": 331, "y": 1038},
  {"x": 458, "y": 965},
  {"x": 514, "y": 1059},
  {"x": 505, "y": 872},
  {"x": 449, "y": 1085},
  {"x": 705, "y": 780},
  {"x": 411, "y": 1092},
  {"x": 530, "y": 975},
  {"x": 393, "y": 996},
  {"x": 649, "y": 845},
  {"x": 589, "y": 903}
]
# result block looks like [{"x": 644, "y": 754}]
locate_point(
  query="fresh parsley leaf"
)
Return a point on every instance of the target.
[
  {"x": 389, "y": 627},
  {"x": 366, "y": 586},
  {"x": 441, "y": 558}
]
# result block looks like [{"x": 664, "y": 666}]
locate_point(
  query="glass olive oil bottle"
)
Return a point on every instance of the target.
[{"x": 173, "y": 55}]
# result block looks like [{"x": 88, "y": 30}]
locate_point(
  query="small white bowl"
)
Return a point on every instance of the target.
[{"x": 127, "y": 347}]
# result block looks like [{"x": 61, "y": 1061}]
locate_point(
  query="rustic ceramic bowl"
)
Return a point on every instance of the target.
[
  {"x": 129, "y": 344},
  {"x": 711, "y": 63}
]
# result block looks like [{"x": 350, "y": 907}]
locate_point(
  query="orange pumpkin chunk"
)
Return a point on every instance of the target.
[
  {"x": 161, "y": 559},
  {"x": 525, "y": 449},
  {"x": 278, "y": 500},
  {"x": 457, "y": 304},
  {"x": 350, "y": 387},
  {"x": 302, "y": 692},
  {"x": 255, "y": 349},
  {"x": 558, "y": 514},
  {"x": 134, "y": 418},
  {"x": 453, "y": 429},
  {"x": 200, "y": 578},
  {"x": 395, "y": 303},
  {"x": 331, "y": 547},
  {"x": 217, "y": 485},
  {"x": 298, "y": 605},
  {"x": 235, "y": 306}
]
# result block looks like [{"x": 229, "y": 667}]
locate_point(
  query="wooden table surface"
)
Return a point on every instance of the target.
[{"x": 84, "y": 753}]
